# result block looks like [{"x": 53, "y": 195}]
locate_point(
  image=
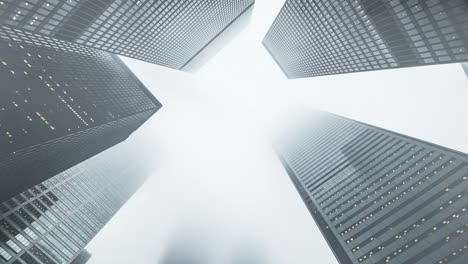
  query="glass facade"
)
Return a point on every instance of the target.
[
  {"x": 82, "y": 258},
  {"x": 378, "y": 196},
  {"x": 61, "y": 103},
  {"x": 52, "y": 222},
  {"x": 168, "y": 33},
  {"x": 315, "y": 38}
]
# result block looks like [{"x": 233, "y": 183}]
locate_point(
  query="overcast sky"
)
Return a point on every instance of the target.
[{"x": 218, "y": 189}]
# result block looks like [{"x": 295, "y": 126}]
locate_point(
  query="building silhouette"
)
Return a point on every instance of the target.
[
  {"x": 248, "y": 253},
  {"x": 378, "y": 196},
  {"x": 316, "y": 38},
  {"x": 60, "y": 104},
  {"x": 189, "y": 244},
  {"x": 465, "y": 68},
  {"x": 168, "y": 33},
  {"x": 53, "y": 221}
]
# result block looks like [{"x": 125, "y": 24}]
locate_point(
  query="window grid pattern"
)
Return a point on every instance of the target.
[
  {"x": 41, "y": 16},
  {"x": 384, "y": 197},
  {"x": 53, "y": 221},
  {"x": 61, "y": 93},
  {"x": 316, "y": 38},
  {"x": 168, "y": 33}
]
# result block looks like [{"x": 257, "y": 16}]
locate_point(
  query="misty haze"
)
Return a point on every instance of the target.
[{"x": 233, "y": 132}]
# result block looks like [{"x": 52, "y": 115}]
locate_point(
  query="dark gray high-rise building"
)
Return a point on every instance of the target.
[
  {"x": 378, "y": 196},
  {"x": 166, "y": 32},
  {"x": 52, "y": 222},
  {"x": 315, "y": 38},
  {"x": 60, "y": 104}
]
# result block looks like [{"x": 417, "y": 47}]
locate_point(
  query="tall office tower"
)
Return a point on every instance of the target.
[
  {"x": 52, "y": 222},
  {"x": 168, "y": 33},
  {"x": 465, "y": 68},
  {"x": 61, "y": 103},
  {"x": 315, "y": 38},
  {"x": 378, "y": 196}
]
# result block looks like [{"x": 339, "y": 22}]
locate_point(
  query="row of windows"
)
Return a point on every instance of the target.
[
  {"x": 53, "y": 221},
  {"x": 311, "y": 38},
  {"x": 385, "y": 197},
  {"x": 169, "y": 33},
  {"x": 61, "y": 91}
]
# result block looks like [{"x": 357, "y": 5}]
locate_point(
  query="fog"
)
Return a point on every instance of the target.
[{"x": 218, "y": 193}]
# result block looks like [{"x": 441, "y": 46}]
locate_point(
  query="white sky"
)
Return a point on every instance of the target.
[{"x": 219, "y": 185}]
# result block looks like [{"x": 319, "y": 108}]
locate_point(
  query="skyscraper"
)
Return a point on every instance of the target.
[
  {"x": 168, "y": 33},
  {"x": 378, "y": 196},
  {"x": 53, "y": 221},
  {"x": 315, "y": 38},
  {"x": 61, "y": 103}
]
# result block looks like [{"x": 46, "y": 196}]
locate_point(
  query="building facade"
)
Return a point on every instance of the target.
[
  {"x": 168, "y": 33},
  {"x": 316, "y": 38},
  {"x": 52, "y": 222},
  {"x": 60, "y": 104},
  {"x": 378, "y": 196},
  {"x": 83, "y": 257}
]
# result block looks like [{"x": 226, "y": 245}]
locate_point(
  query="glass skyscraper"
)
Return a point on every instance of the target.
[
  {"x": 52, "y": 222},
  {"x": 60, "y": 104},
  {"x": 315, "y": 38},
  {"x": 378, "y": 196},
  {"x": 168, "y": 33}
]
